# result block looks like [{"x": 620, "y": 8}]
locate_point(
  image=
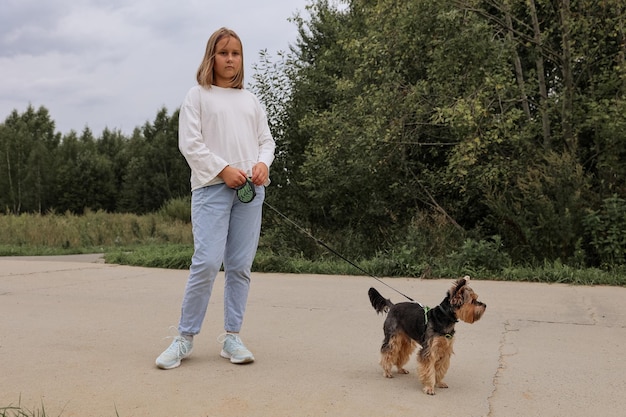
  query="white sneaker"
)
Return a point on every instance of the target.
[
  {"x": 234, "y": 349},
  {"x": 177, "y": 351}
]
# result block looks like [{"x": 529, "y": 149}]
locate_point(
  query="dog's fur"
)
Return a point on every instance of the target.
[{"x": 408, "y": 324}]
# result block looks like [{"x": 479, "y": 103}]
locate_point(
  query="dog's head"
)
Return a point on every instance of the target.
[{"x": 465, "y": 302}]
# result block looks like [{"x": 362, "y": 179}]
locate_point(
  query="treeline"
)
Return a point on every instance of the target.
[
  {"x": 42, "y": 170},
  {"x": 491, "y": 132},
  {"x": 429, "y": 125}
]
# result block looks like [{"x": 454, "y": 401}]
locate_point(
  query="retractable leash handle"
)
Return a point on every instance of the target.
[{"x": 246, "y": 192}]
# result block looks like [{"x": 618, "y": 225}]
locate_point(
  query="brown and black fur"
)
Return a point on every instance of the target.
[{"x": 408, "y": 324}]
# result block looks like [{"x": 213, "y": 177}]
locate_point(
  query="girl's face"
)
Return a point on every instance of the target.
[{"x": 228, "y": 59}]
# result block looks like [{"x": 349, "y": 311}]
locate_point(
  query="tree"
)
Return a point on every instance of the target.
[
  {"x": 156, "y": 171},
  {"x": 472, "y": 108},
  {"x": 86, "y": 180},
  {"x": 396, "y": 89},
  {"x": 28, "y": 143}
]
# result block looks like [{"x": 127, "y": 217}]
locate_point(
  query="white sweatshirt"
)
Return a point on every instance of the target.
[{"x": 219, "y": 127}]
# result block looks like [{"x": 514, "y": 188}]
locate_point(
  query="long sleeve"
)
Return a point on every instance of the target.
[
  {"x": 267, "y": 146},
  {"x": 204, "y": 164},
  {"x": 220, "y": 127}
]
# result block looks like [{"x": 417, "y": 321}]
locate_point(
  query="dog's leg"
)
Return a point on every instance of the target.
[
  {"x": 442, "y": 365},
  {"x": 386, "y": 362},
  {"x": 434, "y": 362},
  {"x": 441, "y": 368},
  {"x": 405, "y": 347},
  {"x": 427, "y": 372},
  {"x": 397, "y": 351},
  {"x": 387, "y": 357}
]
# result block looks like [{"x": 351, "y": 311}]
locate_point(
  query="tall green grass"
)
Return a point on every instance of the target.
[
  {"x": 164, "y": 240},
  {"x": 93, "y": 231}
]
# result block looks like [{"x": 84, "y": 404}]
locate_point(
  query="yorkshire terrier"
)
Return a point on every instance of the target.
[{"x": 409, "y": 323}]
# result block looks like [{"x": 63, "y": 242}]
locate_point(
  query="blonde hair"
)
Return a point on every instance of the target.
[{"x": 205, "y": 71}]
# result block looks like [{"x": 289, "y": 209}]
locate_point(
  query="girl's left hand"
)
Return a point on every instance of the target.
[{"x": 260, "y": 173}]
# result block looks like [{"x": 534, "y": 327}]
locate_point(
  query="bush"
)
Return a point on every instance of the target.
[
  {"x": 541, "y": 216},
  {"x": 607, "y": 230},
  {"x": 479, "y": 257},
  {"x": 177, "y": 209}
]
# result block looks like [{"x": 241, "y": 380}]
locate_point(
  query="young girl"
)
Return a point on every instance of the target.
[{"x": 225, "y": 138}]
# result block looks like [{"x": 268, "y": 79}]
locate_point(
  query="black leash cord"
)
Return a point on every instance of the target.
[{"x": 319, "y": 242}]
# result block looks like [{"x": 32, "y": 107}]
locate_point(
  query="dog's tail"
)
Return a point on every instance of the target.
[{"x": 380, "y": 303}]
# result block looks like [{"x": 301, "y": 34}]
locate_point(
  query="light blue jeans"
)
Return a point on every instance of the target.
[{"x": 225, "y": 231}]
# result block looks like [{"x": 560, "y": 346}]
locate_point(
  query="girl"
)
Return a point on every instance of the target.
[{"x": 225, "y": 138}]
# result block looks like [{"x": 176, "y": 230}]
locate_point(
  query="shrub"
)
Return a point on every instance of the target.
[
  {"x": 607, "y": 230},
  {"x": 177, "y": 209},
  {"x": 477, "y": 257}
]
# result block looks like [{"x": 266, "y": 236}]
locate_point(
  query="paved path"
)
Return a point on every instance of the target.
[{"x": 81, "y": 339}]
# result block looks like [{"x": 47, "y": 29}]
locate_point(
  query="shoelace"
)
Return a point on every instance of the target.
[
  {"x": 180, "y": 346},
  {"x": 235, "y": 340},
  {"x": 222, "y": 338}
]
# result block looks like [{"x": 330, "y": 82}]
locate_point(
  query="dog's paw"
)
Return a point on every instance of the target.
[
  {"x": 387, "y": 374},
  {"x": 429, "y": 390},
  {"x": 402, "y": 371},
  {"x": 442, "y": 385}
]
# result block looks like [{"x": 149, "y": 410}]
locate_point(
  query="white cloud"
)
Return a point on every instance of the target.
[{"x": 108, "y": 63}]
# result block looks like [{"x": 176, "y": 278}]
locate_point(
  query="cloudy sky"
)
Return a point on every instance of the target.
[{"x": 115, "y": 63}]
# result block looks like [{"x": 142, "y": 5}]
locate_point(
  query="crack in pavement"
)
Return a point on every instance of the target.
[
  {"x": 49, "y": 271},
  {"x": 503, "y": 354}
]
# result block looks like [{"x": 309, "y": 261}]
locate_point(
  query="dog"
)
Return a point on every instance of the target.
[{"x": 408, "y": 324}]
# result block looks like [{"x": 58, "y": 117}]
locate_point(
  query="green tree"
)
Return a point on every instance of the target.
[
  {"x": 111, "y": 147},
  {"x": 28, "y": 142},
  {"x": 386, "y": 91},
  {"x": 568, "y": 60},
  {"x": 156, "y": 171},
  {"x": 476, "y": 109},
  {"x": 86, "y": 179}
]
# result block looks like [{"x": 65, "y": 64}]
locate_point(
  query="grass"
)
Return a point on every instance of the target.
[
  {"x": 11, "y": 411},
  {"x": 20, "y": 411},
  {"x": 178, "y": 256},
  {"x": 174, "y": 256},
  {"x": 164, "y": 241},
  {"x": 69, "y": 233}
]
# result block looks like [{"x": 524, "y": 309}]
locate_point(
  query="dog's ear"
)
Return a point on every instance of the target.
[{"x": 457, "y": 293}]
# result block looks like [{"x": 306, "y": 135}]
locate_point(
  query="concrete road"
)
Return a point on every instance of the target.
[{"x": 80, "y": 337}]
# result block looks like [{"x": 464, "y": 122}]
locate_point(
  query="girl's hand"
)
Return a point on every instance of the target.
[
  {"x": 260, "y": 173},
  {"x": 233, "y": 177}
]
